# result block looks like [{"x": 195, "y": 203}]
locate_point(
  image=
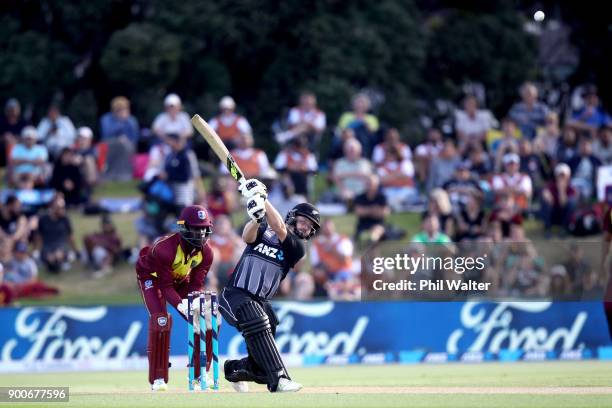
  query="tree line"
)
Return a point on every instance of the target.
[{"x": 262, "y": 52}]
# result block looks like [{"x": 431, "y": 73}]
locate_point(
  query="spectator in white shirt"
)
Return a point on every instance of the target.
[
  {"x": 471, "y": 123},
  {"x": 228, "y": 124},
  {"x": 28, "y": 160},
  {"x": 173, "y": 121},
  {"x": 513, "y": 182},
  {"x": 56, "y": 131},
  {"x": 397, "y": 179},
  {"x": 392, "y": 141},
  {"x": 305, "y": 119}
]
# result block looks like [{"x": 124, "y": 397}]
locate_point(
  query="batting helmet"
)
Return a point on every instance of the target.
[
  {"x": 195, "y": 225},
  {"x": 308, "y": 211}
]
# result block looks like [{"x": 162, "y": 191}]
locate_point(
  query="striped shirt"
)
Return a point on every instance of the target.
[{"x": 265, "y": 262}]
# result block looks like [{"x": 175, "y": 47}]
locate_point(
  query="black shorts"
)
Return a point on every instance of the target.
[{"x": 232, "y": 298}]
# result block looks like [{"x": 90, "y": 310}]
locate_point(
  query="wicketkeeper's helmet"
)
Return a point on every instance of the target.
[{"x": 195, "y": 225}]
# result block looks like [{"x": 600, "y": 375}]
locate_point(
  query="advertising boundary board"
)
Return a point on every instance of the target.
[{"x": 63, "y": 338}]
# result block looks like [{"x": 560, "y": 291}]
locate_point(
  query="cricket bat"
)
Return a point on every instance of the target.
[{"x": 217, "y": 145}]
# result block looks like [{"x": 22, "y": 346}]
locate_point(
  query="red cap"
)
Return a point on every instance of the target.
[{"x": 195, "y": 216}]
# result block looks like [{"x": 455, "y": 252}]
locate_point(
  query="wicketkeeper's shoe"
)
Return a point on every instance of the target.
[
  {"x": 286, "y": 385},
  {"x": 240, "y": 386},
  {"x": 209, "y": 382},
  {"x": 159, "y": 385}
]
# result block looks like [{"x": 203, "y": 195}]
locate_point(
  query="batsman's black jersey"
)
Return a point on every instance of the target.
[{"x": 265, "y": 262}]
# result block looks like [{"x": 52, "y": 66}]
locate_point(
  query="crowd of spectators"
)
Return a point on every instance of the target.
[{"x": 479, "y": 181}]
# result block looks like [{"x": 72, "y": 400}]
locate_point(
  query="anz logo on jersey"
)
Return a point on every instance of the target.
[{"x": 272, "y": 252}]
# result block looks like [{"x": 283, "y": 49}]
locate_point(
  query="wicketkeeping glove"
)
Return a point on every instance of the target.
[{"x": 183, "y": 308}]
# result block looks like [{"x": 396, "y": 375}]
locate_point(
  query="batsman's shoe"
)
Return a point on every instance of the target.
[
  {"x": 159, "y": 385},
  {"x": 232, "y": 374},
  {"x": 240, "y": 386},
  {"x": 286, "y": 385}
]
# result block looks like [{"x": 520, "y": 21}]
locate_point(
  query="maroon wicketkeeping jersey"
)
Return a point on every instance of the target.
[{"x": 168, "y": 265}]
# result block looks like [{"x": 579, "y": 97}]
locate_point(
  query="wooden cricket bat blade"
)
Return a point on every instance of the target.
[{"x": 217, "y": 145}]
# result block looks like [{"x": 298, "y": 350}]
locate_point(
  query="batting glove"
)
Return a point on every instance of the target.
[
  {"x": 256, "y": 208},
  {"x": 252, "y": 187}
]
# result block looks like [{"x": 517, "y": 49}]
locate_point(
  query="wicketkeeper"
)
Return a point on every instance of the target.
[
  {"x": 167, "y": 271},
  {"x": 274, "y": 245}
]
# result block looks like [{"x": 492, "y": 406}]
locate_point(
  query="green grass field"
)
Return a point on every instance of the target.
[{"x": 551, "y": 384}]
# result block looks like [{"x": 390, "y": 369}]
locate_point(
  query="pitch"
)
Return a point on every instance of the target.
[{"x": 550, "y": 384}]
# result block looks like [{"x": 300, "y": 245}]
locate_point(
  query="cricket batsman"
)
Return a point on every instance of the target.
[
  {"x": 167, "y": 271},
  {"x": 274, "y": 245}
]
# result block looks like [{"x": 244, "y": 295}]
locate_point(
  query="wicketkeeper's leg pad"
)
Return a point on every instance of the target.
[{"x": 158, "y": 347}]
